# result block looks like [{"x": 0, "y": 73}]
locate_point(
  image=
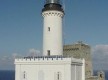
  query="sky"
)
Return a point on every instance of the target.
[{"x": 21, "y": 29}]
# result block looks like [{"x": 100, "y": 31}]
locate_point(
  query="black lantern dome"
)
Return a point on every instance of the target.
[{"x": 53, "y": 5}]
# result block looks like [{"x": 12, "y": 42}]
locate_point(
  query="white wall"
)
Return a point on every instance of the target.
[
  {"x": 47, "y": 69},
  {"x": 52, "y": 40}
]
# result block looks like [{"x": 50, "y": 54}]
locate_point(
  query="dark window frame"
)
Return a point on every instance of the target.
[{"x": 48, "y": 52}]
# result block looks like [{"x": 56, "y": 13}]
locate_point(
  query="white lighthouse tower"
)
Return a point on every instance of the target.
[
  {"x": 52, "y": 65},
  {"x": 52, "y": 28}
]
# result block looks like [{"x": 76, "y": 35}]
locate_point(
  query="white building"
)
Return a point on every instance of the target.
[
  {"x": 52, "y": 65},
  {"x": 49, "y": 68}
]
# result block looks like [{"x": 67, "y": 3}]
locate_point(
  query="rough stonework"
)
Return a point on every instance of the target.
[{"x": 81, "y": 50}]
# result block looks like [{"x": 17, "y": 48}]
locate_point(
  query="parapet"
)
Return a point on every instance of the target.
[{"x": 48, "y": 59}]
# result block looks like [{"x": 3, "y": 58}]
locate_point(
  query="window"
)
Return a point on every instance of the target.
[
  {"x": 48, "y": 52},
  {"x": 58, "y": 76},
  {"x": 24, "y": 75},
  {"x": 100, "y": 75},
  {"x": 48, "y": 28}
]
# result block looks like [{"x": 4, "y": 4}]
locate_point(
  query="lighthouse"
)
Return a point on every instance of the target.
[
  {"x": 52, "y": 65},
  {"x": 52, "y": 28}
]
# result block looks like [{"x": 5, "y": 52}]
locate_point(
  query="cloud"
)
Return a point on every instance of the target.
[
  {"x": 16, "y": 55},
  {"x": 100, "y": 57},
  {"x": 7, "y": 62},
  {"x": 33, "y": 52}
]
